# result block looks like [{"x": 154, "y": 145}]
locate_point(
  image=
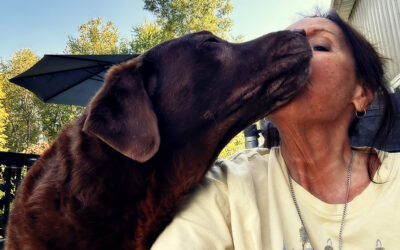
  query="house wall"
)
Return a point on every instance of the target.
[{"x": 379, "y": 21}]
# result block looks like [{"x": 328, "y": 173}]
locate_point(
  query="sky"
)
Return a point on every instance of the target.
[{"x": 44, "y": 25}]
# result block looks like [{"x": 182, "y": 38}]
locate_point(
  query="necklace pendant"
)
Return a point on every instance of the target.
[
  {"x": 379, "y": 245},
  {"x": 329, "y": 246},
  {"x": 303, "y": 235}
]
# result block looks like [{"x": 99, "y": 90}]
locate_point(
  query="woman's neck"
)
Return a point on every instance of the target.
[{"x": 318, "y": 160}]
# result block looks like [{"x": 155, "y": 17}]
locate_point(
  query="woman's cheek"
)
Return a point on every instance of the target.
[{"x": 322, "y": 67}]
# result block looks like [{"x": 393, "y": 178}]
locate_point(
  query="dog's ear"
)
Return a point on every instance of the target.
[{"x": 122, "y": 116}]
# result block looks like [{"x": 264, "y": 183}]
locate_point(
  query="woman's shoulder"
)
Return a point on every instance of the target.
[
  {"x": 388, "y": 159},
  {"x": 244, "y": 163},
  {"x": 393, "y": 156},
  {"x": 390, "y": 163}
]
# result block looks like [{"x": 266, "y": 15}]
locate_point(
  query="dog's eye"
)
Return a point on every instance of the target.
[{"x": 320, "y": 48}]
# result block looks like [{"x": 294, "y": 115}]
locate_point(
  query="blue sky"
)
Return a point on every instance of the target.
[{"x": 44, "y": 25}]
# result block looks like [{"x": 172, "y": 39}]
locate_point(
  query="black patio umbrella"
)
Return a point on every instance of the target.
[{"x": 68, "y": 79}]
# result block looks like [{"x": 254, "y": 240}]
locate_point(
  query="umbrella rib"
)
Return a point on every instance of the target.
[
  {"x": 60, "y": 71},
  {"x": 100, "y": 78},
  {"x": 70, "y": 87},
  {"x": 94, "y": 60},
  {"x": 78, "y": 57}
]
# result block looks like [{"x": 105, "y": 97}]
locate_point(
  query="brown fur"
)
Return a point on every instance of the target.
[{"x": 115, "y": 177}]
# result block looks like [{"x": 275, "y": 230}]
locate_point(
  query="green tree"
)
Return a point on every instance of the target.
[
  {"x": 95, "y": 37},
  {"x": 29, "y": 119},
  {"x": 3, "y": 119},
  {"x": 180, "y": 17},
  {"x": 147, "y": 35},
  {"x": 22, "y": 127},
  {"x": 175, "y": 18},
  {"x": 235, "y": 145},
  {"x": 53, "y": 117}
]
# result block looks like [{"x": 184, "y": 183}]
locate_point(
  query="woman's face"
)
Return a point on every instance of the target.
[{"x": 333, "y": 85}]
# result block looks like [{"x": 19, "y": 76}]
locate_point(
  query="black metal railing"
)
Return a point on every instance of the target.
[{"x": 13, "y": 167}]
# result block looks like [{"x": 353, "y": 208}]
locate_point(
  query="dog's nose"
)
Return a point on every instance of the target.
[{"x": 300, "y": 31}]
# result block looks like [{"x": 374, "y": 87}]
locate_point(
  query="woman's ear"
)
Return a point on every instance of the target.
[{"x": 363, "y": 97}]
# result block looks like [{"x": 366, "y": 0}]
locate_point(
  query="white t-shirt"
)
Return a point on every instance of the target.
[{"x": 245, "y": 204}]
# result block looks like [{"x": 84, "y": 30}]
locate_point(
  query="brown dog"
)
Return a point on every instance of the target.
[{"x": 115, "y": 178}]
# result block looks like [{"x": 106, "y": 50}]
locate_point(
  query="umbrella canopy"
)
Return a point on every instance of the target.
[{"x": 68, "y": 79}]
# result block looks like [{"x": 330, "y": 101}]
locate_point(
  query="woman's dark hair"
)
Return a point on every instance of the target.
[{"x": 369, "y": 68}]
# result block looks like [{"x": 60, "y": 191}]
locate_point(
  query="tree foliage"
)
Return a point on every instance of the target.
[
  {"x": 235, "y": 145},
  {"x": 22, "y": 127},
  {"x": 29, "y": 119},
  {"x": 3, "y": 119},
  {"x": 180, "y": 17},
  {"x": 37, "y": 148},
  {"x": 96, "y": 37},
  {"x": 147, "y": 35},
  {"x": 53, "y": 117},
  {"x": 32, "y": 120},
  {"x": 175, "y": 18}
]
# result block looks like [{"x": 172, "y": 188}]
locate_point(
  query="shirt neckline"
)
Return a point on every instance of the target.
[{"x": 358, "y": 205}]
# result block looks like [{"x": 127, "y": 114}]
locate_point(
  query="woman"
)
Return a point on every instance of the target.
[{"x": 315, "y": 191}]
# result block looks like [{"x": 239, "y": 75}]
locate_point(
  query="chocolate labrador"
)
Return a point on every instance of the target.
[{"x": 115, "y": 177}]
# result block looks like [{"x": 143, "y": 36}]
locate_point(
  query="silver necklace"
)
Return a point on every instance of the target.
[{"x": 303, "y": 228}]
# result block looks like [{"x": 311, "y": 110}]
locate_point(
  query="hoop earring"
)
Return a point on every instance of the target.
[{"x": 360, "y": 115}]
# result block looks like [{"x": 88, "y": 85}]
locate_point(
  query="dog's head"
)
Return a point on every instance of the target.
[{"x": 196, "y": 89}]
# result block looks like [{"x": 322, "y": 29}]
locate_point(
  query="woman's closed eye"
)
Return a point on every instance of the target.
[{"x": 321, "y": 48}]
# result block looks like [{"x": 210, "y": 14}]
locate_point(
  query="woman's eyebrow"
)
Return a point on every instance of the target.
[
  {"x": 337, "y": 37},
  {"x": 318, "y": 30}
]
